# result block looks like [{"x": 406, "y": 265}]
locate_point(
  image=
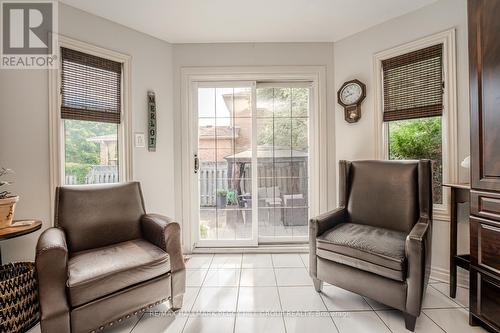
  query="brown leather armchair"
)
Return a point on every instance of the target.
[
  {"x": 106, "y": 259},
  {"x": 378, "y": 242}
]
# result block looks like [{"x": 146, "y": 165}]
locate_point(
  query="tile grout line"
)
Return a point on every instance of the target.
[
  {"x": 198, "y": 294},
  {"x": 329, "y": 313},
  {"x": 279, "y": 295},
  {"x": 425, "y": 314},
  {"x": 452, "y": 299},
  {"x": 368, "y": 310},
  {"x": 386, "y": 325},
  {"x": 307, "y": 268},
  {"x": 373, "y": 309},
  {"x": 238, "y": 294},
  {"x": 136, "y": 323},
  {"x": 444, "y": 308}
]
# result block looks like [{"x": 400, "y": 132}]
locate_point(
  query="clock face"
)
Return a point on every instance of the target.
[{"x": 351, "y": 93}]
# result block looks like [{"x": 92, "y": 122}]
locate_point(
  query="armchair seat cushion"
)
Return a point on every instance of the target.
[
  {"x": 373, "y": 249},
  {"x": 103, "y": 271}
]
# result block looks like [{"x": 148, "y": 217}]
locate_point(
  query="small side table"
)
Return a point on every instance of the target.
[
  {"x": 460, "y": 193},
  {"x": 19, "y": 228}
]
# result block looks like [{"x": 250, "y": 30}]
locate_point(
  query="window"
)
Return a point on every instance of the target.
[
  {"x": 91, "y": 104},
  {"x": 413, "y": 108}
]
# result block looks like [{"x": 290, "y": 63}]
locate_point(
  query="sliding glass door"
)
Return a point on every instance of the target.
[{"x": 251, "y": 151}]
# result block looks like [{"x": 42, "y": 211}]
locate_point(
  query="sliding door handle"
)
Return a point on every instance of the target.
[{"x": 196, "y": 163}]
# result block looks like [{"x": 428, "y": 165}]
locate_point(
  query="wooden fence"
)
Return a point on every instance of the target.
[
  {"x": 289, "y": 179},
  {"x": 99, "y": 174},
  {"x": 213, "y": 177}
]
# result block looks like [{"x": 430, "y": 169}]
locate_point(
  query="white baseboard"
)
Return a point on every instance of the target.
[
  {"x": 443, "y": 275},
  {"x": 261, "y": 249}
]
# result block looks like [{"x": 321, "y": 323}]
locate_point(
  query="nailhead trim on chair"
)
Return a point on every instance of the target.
[{"x": 119, "y": 320}]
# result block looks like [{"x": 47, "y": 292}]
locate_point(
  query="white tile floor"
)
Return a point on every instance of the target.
[{"x": 254, "y": 293}]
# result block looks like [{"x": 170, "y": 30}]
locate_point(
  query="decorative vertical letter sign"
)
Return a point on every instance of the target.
[{"x": 151, "y": 121}]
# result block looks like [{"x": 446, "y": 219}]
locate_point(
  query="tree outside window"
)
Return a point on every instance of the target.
[{"x": 416, "y": 139}]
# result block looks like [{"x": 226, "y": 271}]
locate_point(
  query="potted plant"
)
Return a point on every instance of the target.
[
  {"x": 231, "y": 198},
  {"x": 7, "y": 201},
  {"x": 234, "y": 214},
  {"x": 221, "y": 198}
]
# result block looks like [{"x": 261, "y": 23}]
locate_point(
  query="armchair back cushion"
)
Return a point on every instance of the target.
[
  {"x": 94, "y": 216},
  {"x": 383, "y": 194}
]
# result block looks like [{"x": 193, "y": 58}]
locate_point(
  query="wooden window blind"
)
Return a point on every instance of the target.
[
  {"x": 413, "y": 84},
  {"x": 90, "y": 87}
]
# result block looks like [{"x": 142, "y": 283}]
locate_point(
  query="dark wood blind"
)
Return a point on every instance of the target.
[
  {"x": 413, "y": 84},
  {"x": 90, "y": 87}
]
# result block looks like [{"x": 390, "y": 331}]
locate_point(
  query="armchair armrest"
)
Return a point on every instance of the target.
[
  {"x": 418, "y": 255},
  {"x": 319, "y": 225},
  {"x": 52, "y": 266},
  {"x": 165, "y": 233},
  {"x": 326, "y": 221}
]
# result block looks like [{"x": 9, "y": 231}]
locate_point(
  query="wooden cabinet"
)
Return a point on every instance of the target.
[
  {"x": 485, "y": 204},
  {"x": 484, "y": 299},
  {"x": 484, "y": 62},
  {"x": 484, "y": 71},
  {"x": 484, "y": 245}
]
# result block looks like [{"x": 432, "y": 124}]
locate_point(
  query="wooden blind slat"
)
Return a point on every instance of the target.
[
  {"x": 90, "y": 87},
  {"x": 413, "y": 84}
]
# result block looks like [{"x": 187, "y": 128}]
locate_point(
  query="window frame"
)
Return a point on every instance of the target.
[
  {"x": 56, "y": 123},
  {"x": 448, "y": 117}
]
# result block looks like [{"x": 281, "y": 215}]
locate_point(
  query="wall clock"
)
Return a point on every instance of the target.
[{"x": 350, "y": 96}]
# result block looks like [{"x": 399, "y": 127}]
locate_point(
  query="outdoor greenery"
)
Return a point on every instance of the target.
[
  {"x": 419, "y": 139},
  {"x": 80, "y": 153},
  {"x": 203, "y": 231},
  {"x": 222, "y": 192},
  {"x": 282, "y": 117},
  {"x": 231, "y": 197}
]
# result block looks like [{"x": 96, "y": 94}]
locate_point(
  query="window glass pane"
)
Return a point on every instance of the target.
[
  {"x": 265, "y": 102},
  {"x": 419, "y": 139},
  {"x": 225, "y": 155},
  {"x": 300, "y": 102},
  {"x": 91, "y": 152},
  {"x": 283, "y": 161}
]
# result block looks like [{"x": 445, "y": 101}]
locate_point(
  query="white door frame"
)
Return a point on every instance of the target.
[{"x": 318, "y": 129}]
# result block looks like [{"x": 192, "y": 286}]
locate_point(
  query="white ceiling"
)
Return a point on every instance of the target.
[{"x": 207, "y": 21}]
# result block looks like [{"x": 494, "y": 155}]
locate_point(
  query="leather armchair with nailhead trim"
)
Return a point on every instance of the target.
[{"x": 106, "y": 259}]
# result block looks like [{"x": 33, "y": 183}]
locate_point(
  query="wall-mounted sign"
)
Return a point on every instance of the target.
[{"x": 151, "y": 121}]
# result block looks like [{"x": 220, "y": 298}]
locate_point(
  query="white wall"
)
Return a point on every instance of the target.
[
  {"x": 24, "y": 122},
  {"x": 258, "y": 54},
  {"x": 354, "y": 59}
]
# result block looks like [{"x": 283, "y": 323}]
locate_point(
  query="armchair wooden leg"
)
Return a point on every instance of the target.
[
  {"x": 318, "y": 284},
  {"x": 176, "y": 302},
  {"x": 410, "y": 321}
]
